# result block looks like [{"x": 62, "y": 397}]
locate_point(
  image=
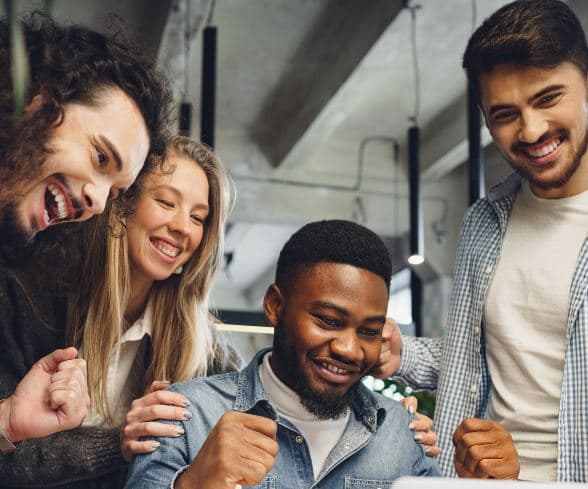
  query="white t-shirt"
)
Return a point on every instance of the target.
[
  {"x": 526, "y": 323},
  {"x": 321, "y": 435}
]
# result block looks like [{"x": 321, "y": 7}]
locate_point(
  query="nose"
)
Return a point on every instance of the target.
[
  {"x": 179, "y": 223},
  {"x": 95, "y": 195},
  {"x": 347, "y": 346},
  {"x": 533, "y": 126}
]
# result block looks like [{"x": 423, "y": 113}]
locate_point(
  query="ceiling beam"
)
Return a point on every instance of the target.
[{"x": 341, "y": 38}]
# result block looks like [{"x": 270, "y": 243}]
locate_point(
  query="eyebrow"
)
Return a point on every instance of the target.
[
  {"x": 340, "y": 310},
  {"x": 113, "y": 151},
  {"x": 531, "y": 99}
]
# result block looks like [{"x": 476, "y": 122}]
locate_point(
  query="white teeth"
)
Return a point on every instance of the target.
[
  {"x": 46, "y": 216},
  {"x": 166, "y": 250},
  {"x": 545, "y": 150},
  {"x": 333, "y": 369},
  {"x": 59, "y": 200}
]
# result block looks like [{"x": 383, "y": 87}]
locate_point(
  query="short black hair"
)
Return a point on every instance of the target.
[
  {"x": 532, "y": 33},
  {"x": 72, "y": 64},
  {"x": 333, "y": 241}
]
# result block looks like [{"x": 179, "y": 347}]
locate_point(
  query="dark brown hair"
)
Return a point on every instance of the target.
[
  {"x": 533, "y": 33},
  {"x": 71, "y": 64}
]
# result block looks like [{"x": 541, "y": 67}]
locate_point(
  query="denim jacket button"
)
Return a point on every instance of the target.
[
  {"x": 347, "y": 445},
  {"x": 299, "y": 439}
]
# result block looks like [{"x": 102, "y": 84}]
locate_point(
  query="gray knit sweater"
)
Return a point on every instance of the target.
[{"x": 32, "y": 324}]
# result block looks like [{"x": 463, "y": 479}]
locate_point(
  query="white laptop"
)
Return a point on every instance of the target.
[{"x": 448, "y": 483}]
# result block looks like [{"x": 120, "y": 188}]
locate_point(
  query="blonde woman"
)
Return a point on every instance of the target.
[{"x": 145, "y": 321}]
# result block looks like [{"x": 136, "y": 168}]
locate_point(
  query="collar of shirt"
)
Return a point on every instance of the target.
[
  {"x": 507, "y": 187},
  {"x": 141, "y": 327}
]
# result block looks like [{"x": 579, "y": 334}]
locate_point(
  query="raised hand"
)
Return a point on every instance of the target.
[
  {"x": 141, "y": 419},
  {"x": 52, "y": 397},
  {"x": 389, "y": 360},
  {"x": 240, "y": 449}
]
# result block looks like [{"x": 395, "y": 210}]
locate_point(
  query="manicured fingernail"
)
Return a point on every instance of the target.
[
  {"x": 187, "y": 414},
  {"x": 187, "y": 402},
  {"x": 155, "y": 445},
  {"x": 429, "y": 452},
  {"x": 411, "y": 409},
  {"x": 179, "y": 430},
  {"x": 411, "y": 426},
  {"x": 165, "y": 382},
  {"x": 418, "y": 436}
]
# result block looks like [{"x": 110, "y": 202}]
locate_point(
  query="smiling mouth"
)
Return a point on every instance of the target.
[
  {"x": 334, "y": 369},
  {"x": 544, "y": 149},
  {"x": 166, "y": 248},
  {"x": 542, "y": 154},
  {"x": 56, "y": 204},
  {"x": 335, "y": 372}
]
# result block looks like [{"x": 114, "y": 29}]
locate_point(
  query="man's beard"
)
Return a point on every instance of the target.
[
  {"x": 563, "y": 178},
  {"x": 12, "y": 232},
  {"x": 322, "y": 404}
]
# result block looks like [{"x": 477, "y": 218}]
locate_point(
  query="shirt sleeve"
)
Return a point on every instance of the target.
[
  {"x": 420, "y": 361},
  {"x": 27, "y": 333},
  {"x": 74, "y": 455}
]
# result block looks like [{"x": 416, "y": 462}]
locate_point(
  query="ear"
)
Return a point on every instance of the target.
[
  {"x": 34, "y": 105},
  {"x": 273, "y": 303}
]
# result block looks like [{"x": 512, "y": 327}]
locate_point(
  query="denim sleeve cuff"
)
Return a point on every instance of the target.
[
  {"x": 176, "y": 475},
  {"x": 408, "y": 358}
]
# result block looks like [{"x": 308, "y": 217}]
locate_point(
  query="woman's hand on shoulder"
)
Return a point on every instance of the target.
[
  {"x": 422, "y": 426},
  {"x": 142, "y": 419}
]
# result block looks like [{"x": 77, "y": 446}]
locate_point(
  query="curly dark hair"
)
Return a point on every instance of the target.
[
  {"x": 333, "y": 241},
  {"x": 535, "y": 33},
  {"x": 72, "y": 64}
]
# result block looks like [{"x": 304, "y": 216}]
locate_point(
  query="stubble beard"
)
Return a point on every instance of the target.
[
  {"x": 563, "y": 177},
  {"x": 12, "y": 231},
  {"x": 323, "y": 404}
]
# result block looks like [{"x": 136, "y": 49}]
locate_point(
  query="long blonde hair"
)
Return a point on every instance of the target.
[{"x": 183, "y": 342}]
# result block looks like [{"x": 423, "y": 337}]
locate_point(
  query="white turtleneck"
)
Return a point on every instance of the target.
[{"x": 321, "y": 435}]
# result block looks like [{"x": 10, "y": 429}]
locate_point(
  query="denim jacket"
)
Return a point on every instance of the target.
[{"x": 376, "y": 447}]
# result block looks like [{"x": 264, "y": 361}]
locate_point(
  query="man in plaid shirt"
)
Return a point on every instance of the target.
[{"x": 512, "y": 372}]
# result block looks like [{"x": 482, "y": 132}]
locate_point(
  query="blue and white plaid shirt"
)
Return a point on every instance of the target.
[{"x": 463, "y": 381}]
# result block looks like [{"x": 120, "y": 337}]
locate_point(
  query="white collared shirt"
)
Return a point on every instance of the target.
[{"x": 125, "y": 381}]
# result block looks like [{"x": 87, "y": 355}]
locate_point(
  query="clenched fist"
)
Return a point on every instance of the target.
[
  {"x": 240, "y": 449},
  {"x": 485, "y": 450},
  {"x": 51, "y": 397}
]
